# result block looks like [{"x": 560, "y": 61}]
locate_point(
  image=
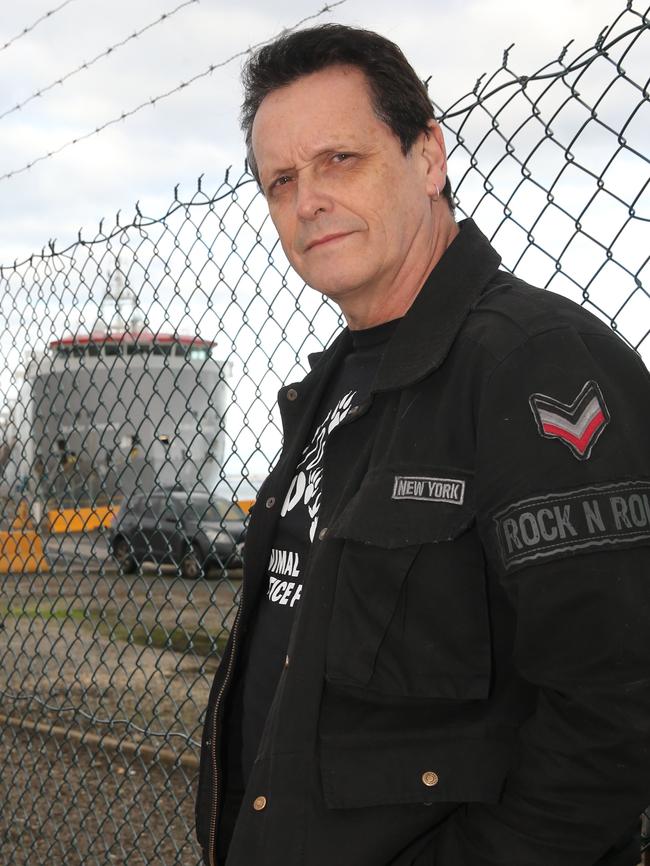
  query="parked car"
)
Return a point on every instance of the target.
[{"x": 172, "y": 527}]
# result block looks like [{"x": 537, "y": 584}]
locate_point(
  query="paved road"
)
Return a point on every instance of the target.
[
  {"x": 91, "y": 550},
  {"x": 67, "y": 551}
]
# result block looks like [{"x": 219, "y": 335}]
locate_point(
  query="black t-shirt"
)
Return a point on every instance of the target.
[{"x": 263, "y": 656}]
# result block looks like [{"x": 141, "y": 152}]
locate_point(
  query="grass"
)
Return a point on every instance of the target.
[{"x": 180, "y": 639}]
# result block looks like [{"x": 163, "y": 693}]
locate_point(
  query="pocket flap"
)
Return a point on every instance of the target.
[
  {"x": 402, "y": 506},
  {"x": 439, "y": 770}
]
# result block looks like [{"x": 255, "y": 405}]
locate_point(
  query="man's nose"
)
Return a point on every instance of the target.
[{"x": 312, "y": 199}]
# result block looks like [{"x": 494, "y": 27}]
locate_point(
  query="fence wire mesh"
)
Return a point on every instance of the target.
[{"x": 139, "y": 374}]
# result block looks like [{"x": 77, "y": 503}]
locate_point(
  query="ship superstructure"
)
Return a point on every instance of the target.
[{"x": 125, "y": 407}]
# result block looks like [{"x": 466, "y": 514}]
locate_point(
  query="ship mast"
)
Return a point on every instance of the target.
[{"x": 118, "y": 311}]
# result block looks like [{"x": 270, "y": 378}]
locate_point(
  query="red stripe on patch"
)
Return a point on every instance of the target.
[{"x": 582, "y": 443}]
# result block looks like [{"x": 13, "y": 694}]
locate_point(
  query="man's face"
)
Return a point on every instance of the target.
[{"x": 352, "y": 211}]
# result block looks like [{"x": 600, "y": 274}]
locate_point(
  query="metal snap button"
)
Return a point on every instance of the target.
[
  {"x": 270, "y": 502},
  {"x": 259, "y": 803},
  {"x": 430, "y": 778},
  {"x": 292, "y": 394}
]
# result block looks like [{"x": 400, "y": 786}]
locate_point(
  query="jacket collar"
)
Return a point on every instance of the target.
[{"x": 426, "y": 333}]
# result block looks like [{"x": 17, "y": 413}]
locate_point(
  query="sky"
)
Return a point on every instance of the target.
[{"x": 195, "y": 131}]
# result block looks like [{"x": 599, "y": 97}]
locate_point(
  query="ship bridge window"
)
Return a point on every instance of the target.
[
  {"x": 138, "y": 349},
  {"x": 78, "y": 351},
  {"x": 111, "y": 349},
  {"x": 161, "y": 349},
  {"x": 196, "y": 354},
  {"x": 93, "y": 350}
]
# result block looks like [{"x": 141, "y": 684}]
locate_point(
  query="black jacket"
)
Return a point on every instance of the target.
[{"x": 467, "y": 682}]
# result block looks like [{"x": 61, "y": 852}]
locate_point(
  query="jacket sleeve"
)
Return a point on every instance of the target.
[{"x": 563, "y": 504}]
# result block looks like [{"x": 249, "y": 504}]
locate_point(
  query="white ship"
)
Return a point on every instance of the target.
[{"x": 119, "y": 408}]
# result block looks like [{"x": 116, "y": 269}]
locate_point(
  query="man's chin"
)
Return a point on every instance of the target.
[
  {"x": 335, "y": 289},
  {"x": 336, "y": 294}
]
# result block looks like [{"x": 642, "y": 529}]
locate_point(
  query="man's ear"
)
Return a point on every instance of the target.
[{"x": 434, "y": 153}]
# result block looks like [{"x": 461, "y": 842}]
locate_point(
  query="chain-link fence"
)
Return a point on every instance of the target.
[{"x": 139, "y": 376}]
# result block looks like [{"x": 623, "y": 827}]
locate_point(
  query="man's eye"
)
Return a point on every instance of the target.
[
  {"x": 341, "y": 157},
  {"x": 281, "y": 181}
]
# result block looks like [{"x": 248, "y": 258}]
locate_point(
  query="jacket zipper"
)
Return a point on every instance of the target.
[
  {"x": 215, "y": 800},
  {"x": 213, "y": 745}
]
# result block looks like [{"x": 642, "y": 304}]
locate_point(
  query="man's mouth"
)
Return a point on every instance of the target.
[{"x": 326, "y": 239}]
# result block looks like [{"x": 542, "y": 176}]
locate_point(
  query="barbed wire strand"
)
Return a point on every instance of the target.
[
  {"x": 105, "y": 53},
  {"x": 523, "y": 80},
  {"x": 140, "y": 222},
  {"x": 156, "y": 99},
  {"x": 35, "y": 24}
]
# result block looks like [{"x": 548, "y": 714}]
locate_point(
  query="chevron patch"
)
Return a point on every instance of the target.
[{"x": 578, "y": 425}]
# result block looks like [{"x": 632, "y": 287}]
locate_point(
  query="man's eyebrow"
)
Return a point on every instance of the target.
[
  {"x": 323, "y": 151},
  {"x": 280, "y": 171}
]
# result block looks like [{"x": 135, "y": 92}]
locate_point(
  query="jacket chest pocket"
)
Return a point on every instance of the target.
[{"x": 410, "y": 615}]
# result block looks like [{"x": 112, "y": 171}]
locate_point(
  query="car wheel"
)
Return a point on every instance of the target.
[
  {"x": 192, "y": 563},
  {"x": 123, "y": 555}
]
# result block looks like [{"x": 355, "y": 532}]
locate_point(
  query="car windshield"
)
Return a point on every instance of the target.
[
  {"x": 131, "y": 505},
  {"x": 216, "y": 511}
]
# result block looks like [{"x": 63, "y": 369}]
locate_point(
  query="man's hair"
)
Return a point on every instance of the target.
[{"x": 398, "y": 96}]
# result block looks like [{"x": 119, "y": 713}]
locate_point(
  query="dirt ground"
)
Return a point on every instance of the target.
[{"x": 68, "y": 805}]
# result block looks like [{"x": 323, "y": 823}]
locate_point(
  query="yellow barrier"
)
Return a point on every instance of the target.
[
  {"x": 21, "y": 551},
  {"x": 80, "y": 519},
  {"x": 88, "y": 519}
]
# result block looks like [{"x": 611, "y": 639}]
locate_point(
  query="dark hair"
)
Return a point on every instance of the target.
[{"x": 399, "y": 98}]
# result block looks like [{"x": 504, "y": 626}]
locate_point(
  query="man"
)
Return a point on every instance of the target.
[{"x": 442, "y": 651}]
